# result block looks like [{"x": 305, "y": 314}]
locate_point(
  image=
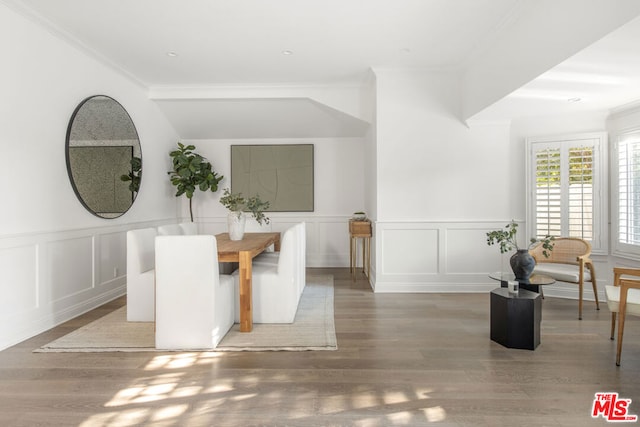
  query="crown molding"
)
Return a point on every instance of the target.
[{"x": 55, "y": 30}]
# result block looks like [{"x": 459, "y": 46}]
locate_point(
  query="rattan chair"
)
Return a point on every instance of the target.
[
  {"x": 568, "y": 262},
  {"x": 623, "y": 298}
]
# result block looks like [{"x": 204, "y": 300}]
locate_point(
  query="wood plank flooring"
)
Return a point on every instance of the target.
[{"x": 403, "y": 360}]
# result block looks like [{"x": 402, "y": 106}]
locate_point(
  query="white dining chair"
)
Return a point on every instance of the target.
[
  {"x": 189, "y": 228},
  {"x": 271, "y": 258},
  {"x": 252, "y": 226},
  {"x": 170, "y": 230},
  {"x": 141, "y": 275},
  {"x": 274, "y": 287},
  {"x": 194, "y": 303},
  {"x": 302, "y": 257}
]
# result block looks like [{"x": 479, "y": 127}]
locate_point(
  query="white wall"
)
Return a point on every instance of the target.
[
  {"x": 431, "y": 166},
  {"x": 441, "y": 184},
  {"x": 339, "y": 177},
  {"x": 57, "y": 259}
]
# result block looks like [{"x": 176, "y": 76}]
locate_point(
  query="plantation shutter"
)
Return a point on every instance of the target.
[
  {"x": 548, "y": 192},
  {"x": 565, "y": 197},
  {"x": 581, "y": 192},
  {"x": 629, "y": 190}
]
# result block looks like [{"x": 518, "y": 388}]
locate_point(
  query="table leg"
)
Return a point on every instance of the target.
[
  {"x": 622, "y": 311},
  {"x": 364, "y": 250},
  {"x": 352, "y": 257},
  {"x": 368, "y": 257},
  {"x": 246, "y": 303}
]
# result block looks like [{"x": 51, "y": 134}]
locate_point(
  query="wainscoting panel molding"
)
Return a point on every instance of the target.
[
  {"x": 451, "y": 257},
  {"x": 410, "y": 251},
  {"x": 49, "y": 278},
  {"x": 434, "y": 257},
  {"x": 19, "y": 280}
]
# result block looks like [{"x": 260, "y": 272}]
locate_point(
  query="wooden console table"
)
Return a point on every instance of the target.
[{"x": 360, "y": 230}]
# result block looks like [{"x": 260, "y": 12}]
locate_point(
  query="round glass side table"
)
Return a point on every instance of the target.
[{"x": 533, "y": 284}]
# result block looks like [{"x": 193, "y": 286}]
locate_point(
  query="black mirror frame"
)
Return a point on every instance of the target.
[{"x": 68, "y": 160}]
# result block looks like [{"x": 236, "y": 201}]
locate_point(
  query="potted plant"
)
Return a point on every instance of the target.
[
  {"x": 359, "y": 216},
  {"x": 238, "y": 205},
  {"x": 134, "y": 176},
  {"x": 522, "y": 263},
  {"x": 191, "y": 171}
]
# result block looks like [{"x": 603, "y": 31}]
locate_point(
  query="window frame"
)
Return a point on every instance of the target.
[
  {"x": 622, "y": 250},
  {"x": 600, "y": 232}
]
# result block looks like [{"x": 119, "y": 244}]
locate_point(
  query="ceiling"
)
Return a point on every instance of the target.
[
  {"x": 601, "y": 77},
  {"x": 244, "y": 43}
]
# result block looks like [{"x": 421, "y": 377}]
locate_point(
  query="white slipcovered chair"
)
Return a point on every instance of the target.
[
  {"x": 189, "y": 228},
  {"x": 141, "y": 275},
  {"x": 626, "y": 292},
  {"x": 194, "y": 303},
  {"x": 271, "y": 258},
  {"x": 170, "y": 230},
  {"x": 302, "y": 256},
  {"x": 274, "y": 288},
  {"x": 252, "y": 226}
]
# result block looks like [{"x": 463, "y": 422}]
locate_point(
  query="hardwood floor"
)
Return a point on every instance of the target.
[{"x": 403, "y": 359}]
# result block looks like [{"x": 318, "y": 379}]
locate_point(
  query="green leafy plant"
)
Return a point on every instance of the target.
[
  {"x": 507, "y": 239},
  {"x": 135, "y": 175},
  {"x": 237, "y": 203},
  {"x": 191, "y": 171}
]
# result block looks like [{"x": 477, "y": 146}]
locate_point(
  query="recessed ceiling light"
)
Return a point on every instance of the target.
[
  {"x": 172, "y": 54},
  {"x": 287, "y": 52},
  {"x": 576, "y": 99}
]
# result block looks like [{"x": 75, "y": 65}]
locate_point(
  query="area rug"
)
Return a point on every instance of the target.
[{"x": 312, "y": 329}]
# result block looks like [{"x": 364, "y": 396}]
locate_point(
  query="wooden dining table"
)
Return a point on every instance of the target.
[{"x": 243, "y": 251}]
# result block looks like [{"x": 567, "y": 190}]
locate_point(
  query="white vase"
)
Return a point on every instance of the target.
[{"x": 236, "y": 222}]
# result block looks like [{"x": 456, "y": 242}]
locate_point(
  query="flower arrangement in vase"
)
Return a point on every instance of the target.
[{"x": 238, "y": 205}]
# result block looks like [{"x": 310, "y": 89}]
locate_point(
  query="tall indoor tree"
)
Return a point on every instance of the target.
[{"x": 191, "y": 171}]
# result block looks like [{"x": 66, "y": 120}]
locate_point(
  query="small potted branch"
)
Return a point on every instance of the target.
[
  {"x": 522, "y": 263},
  {"x": 134, "y": 176},
  {"x": 238, "y": 206}
]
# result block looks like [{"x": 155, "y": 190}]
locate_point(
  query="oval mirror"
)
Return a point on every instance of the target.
[{"x": 104, "y": 159}]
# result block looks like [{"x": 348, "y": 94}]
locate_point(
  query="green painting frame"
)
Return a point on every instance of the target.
[{"x": 282, "y": 174}]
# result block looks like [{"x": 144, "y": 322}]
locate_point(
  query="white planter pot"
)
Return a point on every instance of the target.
[{"x": 236, "y": 222}]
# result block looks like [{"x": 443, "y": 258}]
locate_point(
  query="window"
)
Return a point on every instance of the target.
[
  {"x": 565, "y": 182},
  {"x": 628, "y": 195}
]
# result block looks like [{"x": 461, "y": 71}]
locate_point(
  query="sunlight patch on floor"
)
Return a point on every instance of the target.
[
  {"x": 243, "y": 397},
  {"x": 401, "y": 418},
  {"x": 435, "y": 414},
  {"x": 131, "y": 417},
  {"x": 169, "y": 412},
  {"x": 157, "y": 389},
  {"x": 395, "y": 397},
  {"x": 363, "y": 400},
  {"x": 173, "y": 361},
  {"x": 220, "y": 388},
  {"x": 187, "y": 391}
]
